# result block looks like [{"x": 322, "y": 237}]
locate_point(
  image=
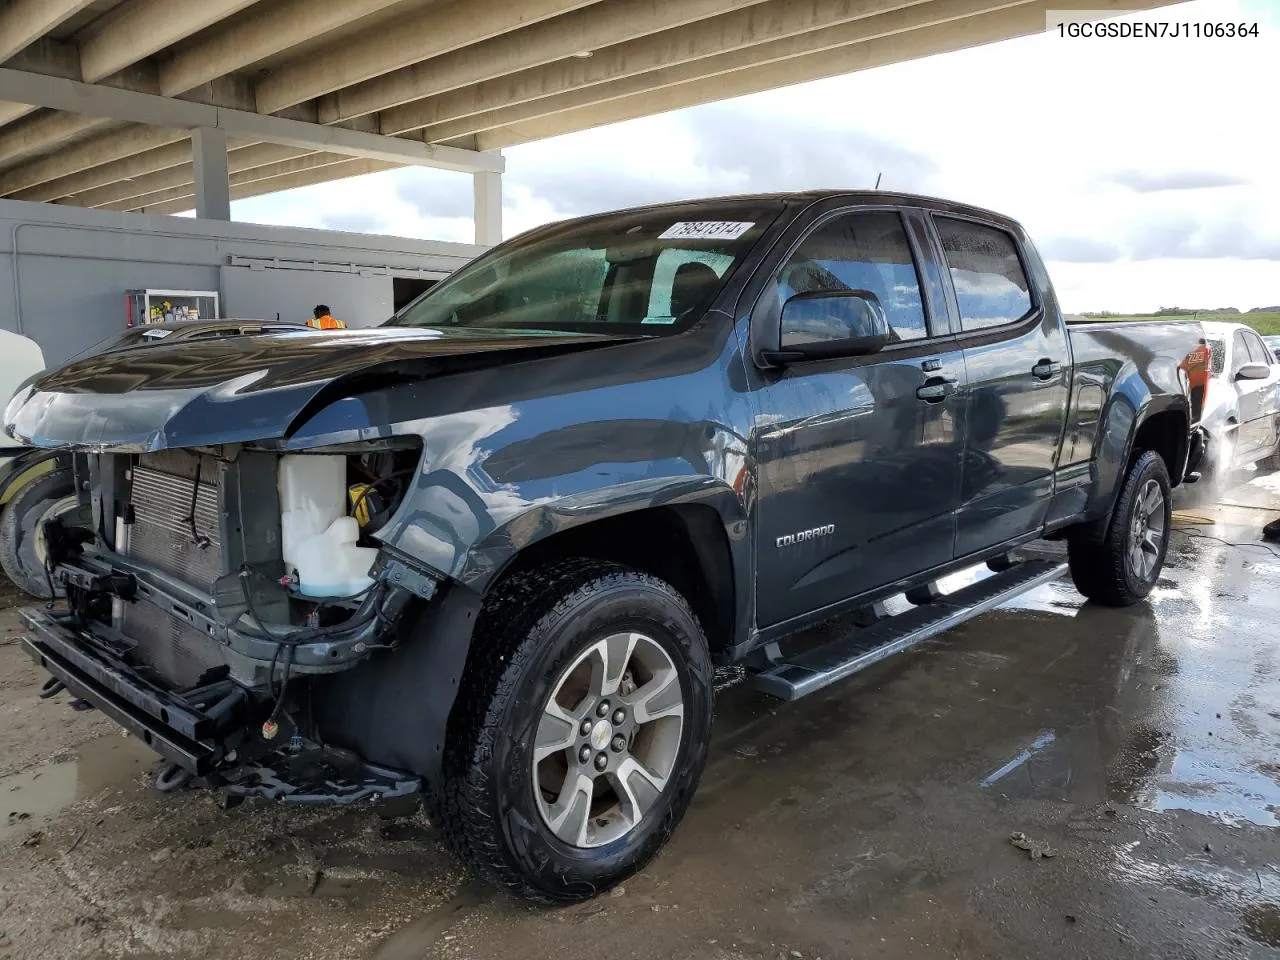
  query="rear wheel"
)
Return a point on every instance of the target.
[
  {"x": 22, "y": 543},
  {"x": 580, "y": 729},
  {"x": 1122, "y": 566}
]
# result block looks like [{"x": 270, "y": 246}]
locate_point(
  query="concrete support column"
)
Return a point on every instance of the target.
[
  {"x": 488, "y": 193},
  {"x": 212, "y": 183}
]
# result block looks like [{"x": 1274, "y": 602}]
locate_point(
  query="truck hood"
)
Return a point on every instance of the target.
[{"x": 247, "y": 388}]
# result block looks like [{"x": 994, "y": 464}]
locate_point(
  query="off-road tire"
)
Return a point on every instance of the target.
[
  {"x": 19, "y": 556},
  {"x": 532, "y": 627},
  {"x": 1099, "y": 566}
]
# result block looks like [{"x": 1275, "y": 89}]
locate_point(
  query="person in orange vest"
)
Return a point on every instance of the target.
[{"x": 321, "y": 319}]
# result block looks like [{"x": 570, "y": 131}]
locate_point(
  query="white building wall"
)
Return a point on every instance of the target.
[{"x": 64, "y": 270}]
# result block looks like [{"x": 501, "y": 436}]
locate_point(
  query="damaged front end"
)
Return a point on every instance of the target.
[{"x": 224, "y": 605}]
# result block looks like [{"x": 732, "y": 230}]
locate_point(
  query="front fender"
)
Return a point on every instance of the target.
[{"x": 467, "y": 521}]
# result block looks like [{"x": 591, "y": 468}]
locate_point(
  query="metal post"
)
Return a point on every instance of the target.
[
  {"x": 488, "y": 194},
  {"x": 213, "y": 186}
]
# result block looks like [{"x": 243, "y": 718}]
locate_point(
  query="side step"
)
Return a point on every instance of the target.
[{"x": 811, "y": 670}]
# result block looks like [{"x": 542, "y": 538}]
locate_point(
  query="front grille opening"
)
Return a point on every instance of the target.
[{"x": 202, "y": 519}]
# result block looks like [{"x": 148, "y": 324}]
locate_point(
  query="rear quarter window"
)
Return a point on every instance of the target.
[{"x": 987, "y": 273}]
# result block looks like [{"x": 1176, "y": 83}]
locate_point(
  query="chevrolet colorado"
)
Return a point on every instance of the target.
[{"x": 491, "y": 550}]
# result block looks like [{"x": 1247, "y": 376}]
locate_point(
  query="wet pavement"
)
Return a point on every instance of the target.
[{"x": 1137, "y": 750}]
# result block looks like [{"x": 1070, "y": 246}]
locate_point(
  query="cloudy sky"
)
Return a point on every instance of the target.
[{"x": 1147, "y": 170}]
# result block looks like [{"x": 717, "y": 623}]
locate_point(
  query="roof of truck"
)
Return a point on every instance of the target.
[{"x": 805, "y": 197}]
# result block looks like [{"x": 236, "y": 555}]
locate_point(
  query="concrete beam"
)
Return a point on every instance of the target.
[
  {"x": 48, "y": 56},
  {"x": 1022, "y": 20},
  {"x": 209, "y": 173},
  {"x": 430, "y": 32},
  {"x": 178, "y": 175},
  {"x": 86, "y": 155},
  {"x": 94, "y": 100},
  {"x": 831, "y": 24},
  {"x": 487, "y": 189},
  {"x": 23, "y": 22},
  {"x": 121, "y": 171},
  {"x": 289, "y": 181},
  {"x": 742, "y": 29},
  {"x": 45, "y": 131},
  {"x": 264, "y": 171},
  {"x": 10, "y": 111},
  {"x": 593, "y": 28},
  {"x": 274, "y": 27},
  {"x": 134, "y": 31}
]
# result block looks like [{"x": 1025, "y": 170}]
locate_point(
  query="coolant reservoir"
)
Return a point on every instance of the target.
[
  {"x": 331, "y": 565},
  {"x": 319, "y": 540}
]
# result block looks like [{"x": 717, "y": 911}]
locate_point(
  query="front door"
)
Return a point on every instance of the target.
[
  {"x": 1018, "y": 369},
  {"x": 1259, "y": 399},
  {"x": 858, "y": 457}
]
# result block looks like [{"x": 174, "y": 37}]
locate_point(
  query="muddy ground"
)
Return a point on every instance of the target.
[{"x": 871, "y": 820}]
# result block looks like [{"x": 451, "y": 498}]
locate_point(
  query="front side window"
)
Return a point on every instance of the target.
[
  {"x": 1240, "y": 348},
  {"x": 644, "y": 272},
  {"x": 991, "y": 286},
  {"x": 860, "y": 252},
  {"x": 1258, "y": 351}
]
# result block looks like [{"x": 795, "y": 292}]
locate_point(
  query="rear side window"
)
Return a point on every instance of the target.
[
  {"x": 991, "y": 286},
  {"x": 1217, "y": 355},
  {"x": 861, "y": 251}
]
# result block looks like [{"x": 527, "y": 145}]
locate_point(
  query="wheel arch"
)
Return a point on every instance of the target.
[{"x": 691, "y": 545}]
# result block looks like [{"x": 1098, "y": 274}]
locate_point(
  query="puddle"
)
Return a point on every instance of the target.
[
  {"x": 1252, "y": 893},
  {"x": 1039, "y": 743},
  {"x": 1230, "y": 795},
  {"x": 30, "y": 799},
  {"x": 1262, "y": 923}
]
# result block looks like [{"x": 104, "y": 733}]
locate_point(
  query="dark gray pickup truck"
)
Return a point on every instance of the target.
[{"x": 491, "y": 551}]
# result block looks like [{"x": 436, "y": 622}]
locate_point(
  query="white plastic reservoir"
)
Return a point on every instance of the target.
[{"x": 319, "y": 539}]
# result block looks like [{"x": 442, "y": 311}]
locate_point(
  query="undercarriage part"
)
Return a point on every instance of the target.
[
  {"x": 172, "y": 779},
  {"x": 317, "y": 775}
]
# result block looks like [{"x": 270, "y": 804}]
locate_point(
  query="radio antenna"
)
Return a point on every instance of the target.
[{"x": 878, "y": 176}]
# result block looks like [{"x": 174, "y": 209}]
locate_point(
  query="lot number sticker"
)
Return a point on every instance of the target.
[{"x": 705, "y": 230}]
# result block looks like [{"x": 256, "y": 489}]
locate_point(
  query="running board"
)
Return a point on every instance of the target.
[{"x": 811, "y": 670}]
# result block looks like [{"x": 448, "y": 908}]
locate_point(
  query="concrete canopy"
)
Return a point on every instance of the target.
[{"x": 99, "y": 98}]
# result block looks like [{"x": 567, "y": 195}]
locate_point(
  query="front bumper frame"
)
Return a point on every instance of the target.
[{"x": 195, "y": 739}]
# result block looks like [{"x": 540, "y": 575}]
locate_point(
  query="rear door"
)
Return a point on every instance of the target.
[
  {"x": 858, "y": 457},
  {"x": 1018, "y": 370}
]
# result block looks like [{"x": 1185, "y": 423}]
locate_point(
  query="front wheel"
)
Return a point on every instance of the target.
[
  {"x": 1122, "y": 567},
  {"x": 580, "y": 729}
]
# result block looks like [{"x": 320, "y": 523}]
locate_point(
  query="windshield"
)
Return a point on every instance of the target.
[{"x": 648, "y": 271}]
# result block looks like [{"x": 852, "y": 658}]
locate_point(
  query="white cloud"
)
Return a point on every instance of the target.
[{"x": 1148, "y": 165}]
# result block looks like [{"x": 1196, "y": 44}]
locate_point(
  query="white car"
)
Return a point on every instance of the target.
[{"x": 1242, "y": 404}]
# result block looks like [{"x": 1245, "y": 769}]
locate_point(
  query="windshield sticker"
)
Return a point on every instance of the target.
[{"x": 705, "y": 230}]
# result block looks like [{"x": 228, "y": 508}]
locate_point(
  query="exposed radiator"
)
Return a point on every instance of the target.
[
  {"x": 177, "y": 652},
  {"x": 162, "y": 534}
]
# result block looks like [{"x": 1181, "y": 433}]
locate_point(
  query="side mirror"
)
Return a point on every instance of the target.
[
  {"x": 843, "y": 323},
  {"x": 1253, "y": 371}
]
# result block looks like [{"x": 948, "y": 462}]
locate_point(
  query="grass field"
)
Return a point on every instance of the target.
[{"x": 1265, "y": 323}]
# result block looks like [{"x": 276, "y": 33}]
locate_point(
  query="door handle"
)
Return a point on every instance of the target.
[
  {"x": 936, "y": 389},
  {"x": 1046, "y": 369}
]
